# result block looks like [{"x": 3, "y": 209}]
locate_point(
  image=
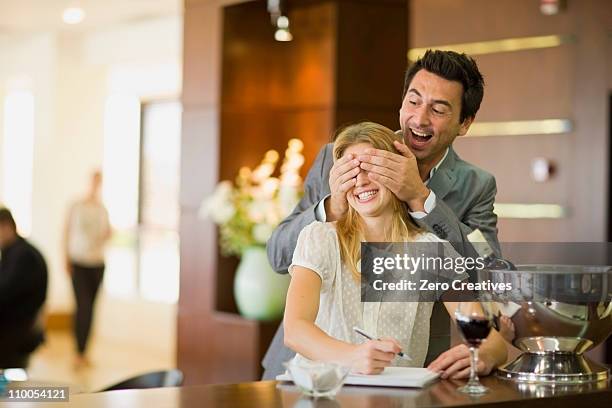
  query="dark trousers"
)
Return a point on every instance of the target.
[{"x": 86, "y": 282}]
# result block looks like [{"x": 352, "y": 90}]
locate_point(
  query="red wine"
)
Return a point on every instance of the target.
[{"x": 474, "y": 329}]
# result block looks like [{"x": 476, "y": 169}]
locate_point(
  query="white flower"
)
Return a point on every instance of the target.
[
  {"x": 261, "y": 211},
  {"x": 218, "y": 206},
  {"x": 262, "y": 232},
  {"x": 250, "y": 209},
  {"x": 223, "y": 213}
]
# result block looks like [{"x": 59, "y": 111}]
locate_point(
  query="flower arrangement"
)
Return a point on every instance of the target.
[{"x": 249, "y": 210}]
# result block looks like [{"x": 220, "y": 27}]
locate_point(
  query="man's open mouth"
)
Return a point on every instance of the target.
[{"x": 420, "y": 137}]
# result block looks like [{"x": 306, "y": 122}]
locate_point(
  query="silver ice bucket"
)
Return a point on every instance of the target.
[{"x": 559, "y": 312}]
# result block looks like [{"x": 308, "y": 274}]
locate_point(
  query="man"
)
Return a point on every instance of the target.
[
  {"x": 447, "y": 196},
  {"x": 23, "y": 290}
]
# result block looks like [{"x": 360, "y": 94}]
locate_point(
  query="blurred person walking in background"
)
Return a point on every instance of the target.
[
  {"x": 87, "y": 231},
  {"x": 23, "y": 291}
]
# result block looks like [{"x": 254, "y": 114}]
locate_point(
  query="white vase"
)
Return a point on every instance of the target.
[{"x": 258, "y": 290}]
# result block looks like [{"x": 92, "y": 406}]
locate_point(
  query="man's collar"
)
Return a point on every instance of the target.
[
  {"x": 437, "y": 166},
  {"x": 444, "y": 177}
]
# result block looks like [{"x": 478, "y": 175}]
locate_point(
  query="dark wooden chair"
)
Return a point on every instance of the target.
[{"x": 157, "y": 379}]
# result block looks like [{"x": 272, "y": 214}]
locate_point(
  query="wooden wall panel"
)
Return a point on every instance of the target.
[
  {"x": 438, "y": 22},
  {"x": 590, "y": 150},
  {"x": 370, "y": 65},
  {"x": 516, "y": 88},
  {"x": 609, "y": 62},
  {"x": 199, "y": 169},
  {"x": 274, "y": 91},
  {"x": 248, "y": 135},
  {"x": 201, "y": 33},
  {"x": 526, "y": 230},
  {"x": 260, "y": 73},
  {"x": 512, "y": 168},
  {"x": 195, "y": 299}
]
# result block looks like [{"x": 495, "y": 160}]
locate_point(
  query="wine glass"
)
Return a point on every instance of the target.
[{"x": 475, "y": 323}]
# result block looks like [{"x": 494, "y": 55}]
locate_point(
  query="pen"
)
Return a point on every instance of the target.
[{"x": 367, "y": 336}]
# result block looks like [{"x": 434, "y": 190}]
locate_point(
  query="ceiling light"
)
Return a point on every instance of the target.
[
  {"x": 282, "y": 34},
  {"x": 277, "y": 11},
  {"x": 282, "y": 22},
  {"x": 73, "y": 15}
]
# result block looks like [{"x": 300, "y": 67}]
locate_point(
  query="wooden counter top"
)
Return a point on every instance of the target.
[{"x": 274, "y": 394}]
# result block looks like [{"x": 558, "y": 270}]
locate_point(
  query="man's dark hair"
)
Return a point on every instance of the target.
[
  {"x": 452, "y": 66},
  {"x": 7, "y": 218}
]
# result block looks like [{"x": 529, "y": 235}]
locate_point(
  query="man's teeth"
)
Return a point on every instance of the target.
[
  {"x": 420, "y": 134},
  {"x": 366, "y": 195}
]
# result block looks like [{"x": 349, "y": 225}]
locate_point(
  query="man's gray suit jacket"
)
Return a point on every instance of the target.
[{"x": 464, "y": 201}]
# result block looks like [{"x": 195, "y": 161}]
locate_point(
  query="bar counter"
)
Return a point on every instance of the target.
[{"x": 442, "y": 393}]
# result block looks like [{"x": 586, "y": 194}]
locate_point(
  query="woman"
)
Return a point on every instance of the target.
[
  {"x": 323, "y": 300},
  {"x": 86, "y": 233}
]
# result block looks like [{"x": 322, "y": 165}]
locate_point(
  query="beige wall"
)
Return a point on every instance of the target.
[
  {"x": 72, "y": 74},
  {"x": 71, "y": 79}
]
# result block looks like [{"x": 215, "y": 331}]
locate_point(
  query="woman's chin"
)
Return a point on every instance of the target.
[{"x": 367, "y": 210}]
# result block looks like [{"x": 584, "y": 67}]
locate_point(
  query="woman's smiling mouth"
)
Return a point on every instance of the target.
[{"x": 365, "y": 196}]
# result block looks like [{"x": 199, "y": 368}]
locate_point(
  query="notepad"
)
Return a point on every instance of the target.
[{"x": 412, "y": 377}]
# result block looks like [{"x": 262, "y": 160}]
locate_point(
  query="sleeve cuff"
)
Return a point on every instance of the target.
[
  {"x": 430, "y": 204},
  {"x": 320, "y": 214}
]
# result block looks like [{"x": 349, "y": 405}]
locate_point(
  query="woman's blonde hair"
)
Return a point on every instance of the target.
[{"x": 349, "y": 227}]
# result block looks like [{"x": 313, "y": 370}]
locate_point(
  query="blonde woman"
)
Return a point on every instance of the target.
[{"x": 323, "y": 301}]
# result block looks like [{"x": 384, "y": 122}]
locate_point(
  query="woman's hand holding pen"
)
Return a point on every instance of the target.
[{"x": 373, "y": 356}]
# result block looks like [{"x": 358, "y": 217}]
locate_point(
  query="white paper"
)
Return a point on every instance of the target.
[{"x": 414, "y": 377}]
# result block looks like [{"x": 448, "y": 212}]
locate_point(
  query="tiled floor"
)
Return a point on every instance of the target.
[
  {"x": 111, "y": 363},
  {"x": 130, "y": 336}
]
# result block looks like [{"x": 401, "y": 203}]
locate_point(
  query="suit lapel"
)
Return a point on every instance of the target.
[
  {"x": 444, "y": 178},
  {"x": 328, "y": 162}
]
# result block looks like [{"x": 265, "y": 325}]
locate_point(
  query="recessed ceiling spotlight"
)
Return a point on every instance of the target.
[
  {"x": 73, "y": 15},
  {"x": 283, "y": 34},
  {"x": 282, "y": 22}
]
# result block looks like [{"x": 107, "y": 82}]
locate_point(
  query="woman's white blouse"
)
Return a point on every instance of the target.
[{"x": 340, "y": 306}]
